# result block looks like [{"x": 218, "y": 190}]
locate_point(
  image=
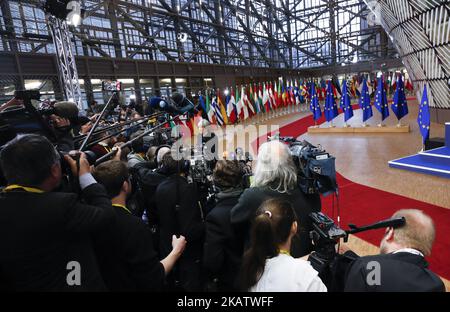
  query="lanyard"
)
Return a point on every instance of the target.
[
  {"x": 122, "y": 206},
  {"x": 284, "y": 252},
  {"x": 25, "y": 188}
]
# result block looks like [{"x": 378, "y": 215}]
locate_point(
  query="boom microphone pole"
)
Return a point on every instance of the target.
[
  {"x": 88, "y": 137},
  {"x": 113, "y": 152},
  {"x": 393, "y": 222},
  {"x": 112, "y": 127},
  {"x": 115, "y": 133}
]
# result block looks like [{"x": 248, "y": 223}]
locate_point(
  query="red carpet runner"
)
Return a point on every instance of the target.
[{"x": 362, "y": 205}]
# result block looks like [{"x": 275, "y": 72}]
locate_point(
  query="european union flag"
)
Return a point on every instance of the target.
[
  {"x": 424, "y": 116},
  {"x": 364, "y": 102},
  {"x": 331, "y": 110},
  {"x": 381, "y": 102},
  {"x": 346, "y": 104},
  {"x": 400, "y": 105},
  {"x": 314, "y": 106}
]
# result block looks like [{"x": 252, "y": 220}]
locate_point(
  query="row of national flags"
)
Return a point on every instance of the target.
[
  {"x": 230, "y": 106},
  {"x": 225, "y": 107}
]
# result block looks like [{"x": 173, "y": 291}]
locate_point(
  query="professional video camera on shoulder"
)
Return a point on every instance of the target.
[
  {"x": 316, "y": 167},
  {"x": 26, "y": 118},
  {"x": 326, "y": 235}
]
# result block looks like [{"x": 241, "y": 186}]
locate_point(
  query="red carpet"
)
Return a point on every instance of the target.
[{"x": 362, "y": 205}]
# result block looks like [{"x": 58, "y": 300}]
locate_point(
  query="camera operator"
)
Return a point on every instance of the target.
[
  {"x": 63, "y": 131},
  {"x": 148, "y": 175},
  {"x": 275, "y": 176},
  {"x": 125, "y": 251},
  {"x": 179, "y": 213},
  {"x": 42, "y": 232},
  {"x": 223, "y": 248},
  {"x": 401, "y": 264}
]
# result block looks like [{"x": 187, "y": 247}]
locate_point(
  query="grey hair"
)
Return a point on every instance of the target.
[
  {"x": 275, "y": 168},
  {"x": 162, "y": 151},
  {"x": 418, "y": 232}
]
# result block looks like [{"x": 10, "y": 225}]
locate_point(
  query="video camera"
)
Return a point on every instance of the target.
[
  {"x": 316, "y": 167},
  {"x": 325, "y": 236},
  {"x": 108, "y": 85}
]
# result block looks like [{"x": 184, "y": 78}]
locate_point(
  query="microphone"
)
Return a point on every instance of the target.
[
  {"x": 182, "y": 102},
  {"x": 157, "y": 103},
  {"x": 170, "y": 107}
]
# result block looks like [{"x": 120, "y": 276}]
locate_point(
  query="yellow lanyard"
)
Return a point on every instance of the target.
[
  {"x": 284, "y": 252},
  {"x": 25, "y": 188},
  {"x": 122, "y": 206}
]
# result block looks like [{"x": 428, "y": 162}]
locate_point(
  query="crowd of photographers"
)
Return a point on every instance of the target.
[{"x": 138, "y": 222}]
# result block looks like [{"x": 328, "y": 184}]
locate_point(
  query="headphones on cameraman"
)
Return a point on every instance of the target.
[{"x": 158, "y": 149}]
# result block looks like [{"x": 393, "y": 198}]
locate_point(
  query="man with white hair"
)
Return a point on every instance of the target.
[
  {"x": 275, "y": 176},
  {"x": 401, "y": 265}
]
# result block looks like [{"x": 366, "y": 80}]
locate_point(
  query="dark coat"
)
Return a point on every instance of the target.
[
  {"x": 399, "y": 272},
  {"x": 245, "y": 211},
  {"x": 223, "y": 248},
  {"x": 126, "y": 256},
  {"x": 147, "y": 180},
  {"x": 41, "y": 233},
  {"x": 179, "y": 214}
]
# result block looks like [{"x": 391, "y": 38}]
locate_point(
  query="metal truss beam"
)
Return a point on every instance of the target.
[
  {"x": 191, "y": 33},
  {"x": 249, "y": 33},
  {"x": 219, "y": 28}
]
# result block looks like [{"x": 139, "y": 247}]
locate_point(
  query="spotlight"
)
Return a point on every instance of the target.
[
  {"x": 68, "y": 10},
  {"x": 75, "y": 19},
  {"x": 182, "y": 37}
]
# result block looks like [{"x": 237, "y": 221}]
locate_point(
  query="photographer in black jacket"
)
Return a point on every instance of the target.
[
  {"x": 125, "y": 251},
  {"x": 44, "y": 235},
  {"x": 223, "y": 247},
  {"x": 179, "y": 213},
  {"x": 275, "y": 176}
]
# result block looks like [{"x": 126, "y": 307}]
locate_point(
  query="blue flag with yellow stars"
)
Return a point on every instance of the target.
[
  {"x": 400, "y": 105},
  {"x": 364, "y": 102},
  {"x": 346, "y": 104},
  {"x": 314, "y": 106},
  {"x": 331, "y": 110},
  {"x": 381, "y": 102},
  {"x": 424, "y": 116}
]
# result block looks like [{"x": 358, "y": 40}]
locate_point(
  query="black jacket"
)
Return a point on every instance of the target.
[
  {"x": 186, "y": 220},
  {"x": 179, "y": 213},
  {"x": 147, "y": 180},
  {"x": 126, "y": 256},
  {"x": 41, "y": 233},
  {"x": 399, "y": 272},
  {"x": 245, "y": 211},
  {"x": 223, "y": 248}
]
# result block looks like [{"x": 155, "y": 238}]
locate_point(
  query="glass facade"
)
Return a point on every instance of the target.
[{"x": 261, "y": 33}]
